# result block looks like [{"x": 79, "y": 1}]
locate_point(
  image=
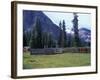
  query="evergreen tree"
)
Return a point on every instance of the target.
[
  {"x": 36, "y": 35},
  {"x": 45, "y": 40},
  {"x": 62, "y": 42},
  {"x": 69, "y": 40},
  {"x": 76, "y": 34},
  {"x": 64, "y": 35},
  {"x": 28, "y": 36},
  {"x": 60, "y": 35},
  {"x": 51, "y": 40},
  {"x": 24, "y": 40},
  {"x": 33, "y": 37},
  {"x": 39, "y": 34}
]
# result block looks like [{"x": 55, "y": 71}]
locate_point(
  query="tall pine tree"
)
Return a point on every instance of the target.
[
  {"x": 62, "y": 42},
  {"x": 36, "y": 35},
  {"x": 60, "y": 35},
  {"x": 76, "y": 34},
  {"x": 64, "y": 34},
  {"x": 25, "y": 40}
]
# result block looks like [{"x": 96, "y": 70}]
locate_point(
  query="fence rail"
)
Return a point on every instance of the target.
[{"x": 61, "y": 50}]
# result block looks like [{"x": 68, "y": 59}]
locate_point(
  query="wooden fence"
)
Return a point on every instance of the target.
[{"x": 60, "y": 50}]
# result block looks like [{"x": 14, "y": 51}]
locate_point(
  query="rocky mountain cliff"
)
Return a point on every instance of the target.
[{"x": 46, "y": 24}]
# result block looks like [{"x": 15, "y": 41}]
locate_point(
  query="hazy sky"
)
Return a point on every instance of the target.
[{"x": 56, "y": 17}]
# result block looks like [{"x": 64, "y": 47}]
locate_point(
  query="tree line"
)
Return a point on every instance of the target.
[{"x": 39, "y": 39}]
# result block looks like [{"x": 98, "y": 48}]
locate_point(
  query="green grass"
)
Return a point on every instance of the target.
[{"x": 57, "y": 60}]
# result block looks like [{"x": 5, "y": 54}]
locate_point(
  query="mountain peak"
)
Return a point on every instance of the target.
[{"x": 46, "y": 23}]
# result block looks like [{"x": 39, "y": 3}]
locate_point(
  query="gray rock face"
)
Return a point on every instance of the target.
[{"x": 46, "y": 24}]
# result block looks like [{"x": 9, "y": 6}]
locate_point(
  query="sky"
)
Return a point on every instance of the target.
[{"x": 56, "y": 17}]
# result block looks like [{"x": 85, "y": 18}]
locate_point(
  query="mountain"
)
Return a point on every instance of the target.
[
  {"x": 85, "y": 34},
  {"x": 46, "y": 24}
]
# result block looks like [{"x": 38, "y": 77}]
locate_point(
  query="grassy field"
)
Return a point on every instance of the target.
[{"x": 57, "y": 60}]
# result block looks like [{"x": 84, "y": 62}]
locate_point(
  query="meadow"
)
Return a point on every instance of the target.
[{"x": 56, "y": 60}]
